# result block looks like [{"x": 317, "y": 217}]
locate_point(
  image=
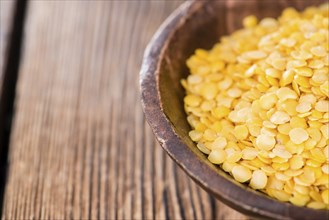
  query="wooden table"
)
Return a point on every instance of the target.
[{"x": 78, "y": 146}]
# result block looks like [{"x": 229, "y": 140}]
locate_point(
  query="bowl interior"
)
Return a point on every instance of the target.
[
  {"x": 202, "y": 30},
  {"x": 200, "y": 24}
]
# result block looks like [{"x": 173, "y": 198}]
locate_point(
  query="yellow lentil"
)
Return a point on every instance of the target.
[
  {"x": 299, "y": 200},
  {"x": 301, "y": 189},
  {"x": 318, "y": 155},
  {"x": 281, "y": 152},
  {"x": 313, "y": 163},
  {"x": 293, "y": 172},
  {"x": 325, "y": 196},
  {"x": 241, "y": 132},
  {"x": 227, "y": 166},
  {"x": 267, "y": 101},
  {"x": 298, "y": 135},
  {"x": 315, "y": 195},
  {"x": 219, "y": 142},
  {"x": 285, "y": 93},
  {"x": 284, "y": 128},
  {"x": 268, "y": 124},
  {"x": 249, "y": 153},
  {"x": 325, "y": 130},
  {"x": 315, "y": 133},
  {"x": 308, "y": 98},
  {"x": 250, "y": 21},
  {"x": 309, "y": 144},
  {"x": 303, "y": 107},
  {"x": 192, "y": 100},
  {"x": 241, "y": 173},
  {"x": 258, "y": 105},
  {"x": 258, "y": 179},
  {"x": 209, "y": 135},
  {"x": 325, "y": 169},
  {"x": 217, "y": 156},
  {"x": 233, "y": 155},
  {"x": 298, "y": 122},
  {"x": 195, "y": 135},
  {"x": 209, "y": 90},
  {"x": 326, "y": 152},
  {"x": 280, "y": 195},
  {"x": 203, "y": 148},
  {"x": 287, "y": 77},
  {"x": 316, "y": 205},
  {"x": 280, "y": 117},
  {"x": 282, "y": 177},
  {"x": 220, "y": 112},
  {"x": 289, "y": 106},
  {"x": 265, "y": 142},
  {"x": 304, "y": 71}
]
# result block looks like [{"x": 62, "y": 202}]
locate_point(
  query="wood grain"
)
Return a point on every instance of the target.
[{"x": 80, "y": 147}]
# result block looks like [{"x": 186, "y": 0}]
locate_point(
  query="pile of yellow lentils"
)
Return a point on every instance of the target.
[{"x": 258, "y": 105}]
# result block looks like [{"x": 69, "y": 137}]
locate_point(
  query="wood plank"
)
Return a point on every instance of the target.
[
  {"x": 6, "y": 21},
  {"x": 80, "y": 147},
  {"x": 7, "y": 17}
]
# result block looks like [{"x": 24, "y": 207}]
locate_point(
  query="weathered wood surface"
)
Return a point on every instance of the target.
[
  {"x": 80, "y": 147},
  {"x": 6, "y": 22}
]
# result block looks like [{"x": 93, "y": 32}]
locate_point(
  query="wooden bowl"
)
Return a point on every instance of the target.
[{"x": 199, "y": 24}]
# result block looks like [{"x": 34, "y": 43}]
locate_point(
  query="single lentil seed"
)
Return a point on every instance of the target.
[
  {"x": 241, "y": 173},
  {"x": 217, "y": 156},
  {"x": 303, "y": 107},
  {"x": 280, "y": 117},
  {"x": 258, "y": 179},
  {"x": 322, "y": 106},
  {"x": 285, "y": 93},
  {"x": 267, "y": 101},
  {"x": 298, "y": 135},
  {"x": 265, "y": 142},
  {"x": 241, "y": 132},
  {"x": 250, "y": 21}
]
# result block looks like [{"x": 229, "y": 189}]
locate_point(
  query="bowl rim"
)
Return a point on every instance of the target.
[{"x": 238, "y": 196}]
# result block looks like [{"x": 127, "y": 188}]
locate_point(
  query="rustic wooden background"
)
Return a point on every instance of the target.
[{"x": 79, "y": 145}]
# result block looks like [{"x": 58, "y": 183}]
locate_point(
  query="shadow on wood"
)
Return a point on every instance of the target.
[{"x": 8, "y": 87}]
